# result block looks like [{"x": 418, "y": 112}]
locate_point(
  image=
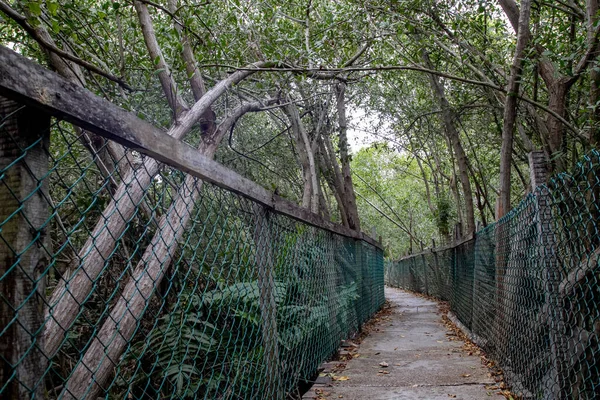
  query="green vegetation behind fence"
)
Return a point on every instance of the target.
[
  {"x": 528, "y": 288},
  {"x": 152, "y": 284}
]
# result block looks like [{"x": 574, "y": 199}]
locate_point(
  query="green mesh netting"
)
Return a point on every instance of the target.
[
  {"x": 156, "y": 285},
  {"x": 528, "y": 287}
]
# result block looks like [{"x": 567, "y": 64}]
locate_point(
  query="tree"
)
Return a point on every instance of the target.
[
  {"x": 280, "y": 81},
  {"x": 510, "y": 111}
]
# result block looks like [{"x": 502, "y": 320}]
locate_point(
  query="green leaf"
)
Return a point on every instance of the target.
[
  {"x": 52, "y": 7},
  {"x": 35, "y": 8}
]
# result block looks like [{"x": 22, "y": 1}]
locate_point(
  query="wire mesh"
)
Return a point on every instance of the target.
[
  {"x": 149, "y": 283},
  {"x": 528, "y": 287}
]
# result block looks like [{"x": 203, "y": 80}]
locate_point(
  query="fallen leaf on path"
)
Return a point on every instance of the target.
[
  {"x": 384, "y": 364},
  {"x": 339, "y": 367},
  {"x": 466, "y": 375},
  {"x": 340, "y": 378},
  {"x": 451, "y": 395}
]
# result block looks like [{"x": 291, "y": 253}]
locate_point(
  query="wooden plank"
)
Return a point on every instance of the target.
[{"x": 31, "y": 84}]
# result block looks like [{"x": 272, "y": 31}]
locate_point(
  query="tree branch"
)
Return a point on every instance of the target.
[
  {"x": 332, "y": 73},
  {"x": 22, "y": 22},
  {"x": 195, "y": 77},
  {"x": 167, "y": 82},
  {"x": 193, "y": 115}
]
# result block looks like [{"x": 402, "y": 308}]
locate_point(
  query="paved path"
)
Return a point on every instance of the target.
[{"x": 422, "y": 362}]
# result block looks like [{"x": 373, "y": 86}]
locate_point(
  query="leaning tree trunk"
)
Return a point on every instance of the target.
[
  {"x": 504, "y": 248},
  {"x": 24, "y": 248},
  {"x": 66, "y": 302},
  {"x": 349, "y": 196},
  {"x": 333, "y": 175},
  {"x": 310, "y": 198},
  {"x": 102, "y": 356},
  {"x": 448, "y": 118},
  {"x": 92, "y": 373},
  {"x": 510, "y": 110}
]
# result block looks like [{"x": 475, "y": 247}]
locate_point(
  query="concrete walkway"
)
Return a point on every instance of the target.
[{"x": 422, "y": 363}]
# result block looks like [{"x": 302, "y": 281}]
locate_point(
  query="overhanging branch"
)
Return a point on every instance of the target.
[{"x": 22, "y": 22}]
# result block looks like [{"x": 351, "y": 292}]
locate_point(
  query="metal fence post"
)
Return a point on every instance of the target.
[
  {"x": 267, "y": 302},
  {"x": 24, "y": 248}
]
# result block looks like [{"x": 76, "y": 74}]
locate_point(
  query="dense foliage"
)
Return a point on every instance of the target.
[
  {"x": 470, "y": 43},
  {"x": 452, "y": 96}
]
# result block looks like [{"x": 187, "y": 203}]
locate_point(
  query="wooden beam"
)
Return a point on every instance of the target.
[
  {"x": 468, "y": 238},
  {"x": 31, "y": 84}
]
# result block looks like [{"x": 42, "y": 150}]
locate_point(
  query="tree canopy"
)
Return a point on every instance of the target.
[{"x": 457, "y": 94}]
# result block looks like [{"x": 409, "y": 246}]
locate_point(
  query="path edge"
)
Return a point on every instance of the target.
[{"x": 480, "y": 342}]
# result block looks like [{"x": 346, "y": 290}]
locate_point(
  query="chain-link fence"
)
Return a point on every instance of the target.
[
  {"x": 528, "y": 287},
  {"x": 122, "y": 277}
]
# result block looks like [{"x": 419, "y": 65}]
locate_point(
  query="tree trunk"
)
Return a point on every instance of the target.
[
  {"x": 456, "y": 195},
  {"x": 333, "y": 176},
  {"x": 557, "y": 99},
  {"x": 349, "y": 195},
  {"x": 323, "y": 207},
  {"x": 558, "y": 89},
  {"x": 102, "y": 356},
  {"x": 92, "y": 373},
  {"x": 70, "y": 293},
  {"x": 510, "y": 110},
  {"x": 448, "y": 118},
  {"x": 163, "y": 71},
  {"x": 194, "y": 75},
  {"x": 24, "y": 248},
  {"x": 310, "y": 198}
]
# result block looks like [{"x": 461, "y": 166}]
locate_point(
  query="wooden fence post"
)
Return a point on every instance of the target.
[
  {"x": 556, "y": 383},
  {"x": 265, "y": 263},
  {"x": 24, "y": 248}
]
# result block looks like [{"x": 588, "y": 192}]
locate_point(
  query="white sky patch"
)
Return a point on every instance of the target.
[{"x": 365, "y": 129}]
